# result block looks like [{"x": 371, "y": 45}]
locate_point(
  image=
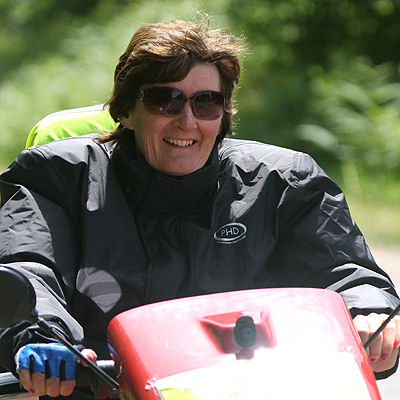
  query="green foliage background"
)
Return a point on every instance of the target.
[{"x": 321, "y": 76}]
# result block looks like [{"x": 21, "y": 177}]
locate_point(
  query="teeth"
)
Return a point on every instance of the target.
[{"x": 180, "y": 143}]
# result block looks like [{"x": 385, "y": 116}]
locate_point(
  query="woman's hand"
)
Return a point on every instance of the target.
[
  {"x": 34, "y": 357},
  {"x": 382, "y": 353}
]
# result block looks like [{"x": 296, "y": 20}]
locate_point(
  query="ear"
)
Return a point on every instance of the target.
[{"x": 127, "y": 121}]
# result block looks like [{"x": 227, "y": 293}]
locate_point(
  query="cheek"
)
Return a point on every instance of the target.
[
  {"x": 144, "y": 141},
  {"x": 212, "y": 131},
  {"x": 147, "y": 138},
  {"x": 141, "y": 128}
]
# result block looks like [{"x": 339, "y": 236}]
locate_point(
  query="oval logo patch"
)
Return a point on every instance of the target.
[{"x": 230, "y": 233}]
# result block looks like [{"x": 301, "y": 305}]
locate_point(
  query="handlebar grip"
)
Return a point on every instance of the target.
[
  {"x": 101, "y": 390},
  {"x": 84, "y": 376}
]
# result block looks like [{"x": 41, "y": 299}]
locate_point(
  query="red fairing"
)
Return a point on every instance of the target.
[{"x": 301, "y": 334}]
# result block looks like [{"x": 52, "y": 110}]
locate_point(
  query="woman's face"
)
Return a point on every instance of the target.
[{"x": 179, "y": 144}]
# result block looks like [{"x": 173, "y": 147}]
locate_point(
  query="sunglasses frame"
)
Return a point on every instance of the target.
[{"x": 192, "y": 100}]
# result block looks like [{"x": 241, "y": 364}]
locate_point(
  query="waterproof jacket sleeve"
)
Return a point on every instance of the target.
[
  {"x": 320, "y": 245},
  {"x": 39, "y": 237}
]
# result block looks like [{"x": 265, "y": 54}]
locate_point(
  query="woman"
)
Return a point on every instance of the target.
[{"x": 165, "y": 207}]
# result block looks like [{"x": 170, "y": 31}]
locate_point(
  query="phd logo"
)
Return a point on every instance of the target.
[{"x": 230, "y": 233}]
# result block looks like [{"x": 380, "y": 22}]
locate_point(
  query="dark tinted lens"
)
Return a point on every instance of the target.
[
  {"x": 163, "y": 100},
  {"x": 208, "y": 104},
  {"x": 170, "y": 101}
]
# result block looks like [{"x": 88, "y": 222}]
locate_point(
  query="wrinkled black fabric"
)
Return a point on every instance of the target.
[
  {"x": 145, "y": 186},
  {"x": 98, "y": 232}
]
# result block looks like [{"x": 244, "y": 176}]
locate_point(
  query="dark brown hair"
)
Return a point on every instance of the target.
[{"x": 165, "y": 52}]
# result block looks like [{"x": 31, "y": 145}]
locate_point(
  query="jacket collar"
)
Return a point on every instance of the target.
[{"x": 152, "y": 192}]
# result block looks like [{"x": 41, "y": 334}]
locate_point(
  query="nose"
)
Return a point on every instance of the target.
[{"x": 186, "y": 119}]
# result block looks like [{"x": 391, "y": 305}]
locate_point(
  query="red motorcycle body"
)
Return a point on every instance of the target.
[{"x": 305, "y": 347}]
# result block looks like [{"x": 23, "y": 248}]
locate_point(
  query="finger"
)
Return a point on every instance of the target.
[
  {"x": 39, "y": 383},
  {"x": 25, "y": 379},
  {"x": 67, "y": 387},
  {"x": 375, "y": 349},
  {"x": 388, "y": 363},
  {"x": 389, "y": 333},
  {"x": 90, "y": 355},
  {"x": 53, "y": 386},
  {"x": 53, "y": 367},
  {"x": 362, "y": 327},
  {"x": 397, "y": 335}
]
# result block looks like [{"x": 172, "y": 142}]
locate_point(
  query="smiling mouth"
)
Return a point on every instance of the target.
[{"x": 179, "y": 142}]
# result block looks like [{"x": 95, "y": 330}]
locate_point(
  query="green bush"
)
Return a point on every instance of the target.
[{"x": 355, "y": 115}]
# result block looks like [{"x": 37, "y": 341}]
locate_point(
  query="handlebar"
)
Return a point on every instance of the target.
[{"x": 10, "y": 386}]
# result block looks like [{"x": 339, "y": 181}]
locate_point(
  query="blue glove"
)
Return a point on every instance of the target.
[{"x": 36, "y": 355}]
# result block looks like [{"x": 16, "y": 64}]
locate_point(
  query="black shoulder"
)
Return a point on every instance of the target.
[
  {"x": 59, "y": 167},
  {"x": 249, "y": 155},
  {"x": 73, "y": 149}
]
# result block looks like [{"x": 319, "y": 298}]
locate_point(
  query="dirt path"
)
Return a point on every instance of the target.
[{"x": 388, "y": 258}]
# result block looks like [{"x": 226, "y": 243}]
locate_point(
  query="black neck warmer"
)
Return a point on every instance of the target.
[{"x": 152, "y": 192}]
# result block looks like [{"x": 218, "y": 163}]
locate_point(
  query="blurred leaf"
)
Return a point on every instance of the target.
[{"x": 318, "y": 135}]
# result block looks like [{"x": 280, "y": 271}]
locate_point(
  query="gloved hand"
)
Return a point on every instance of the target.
[
  {"x": 34, "y": 357},
  {"x": 34, "y": 361}
]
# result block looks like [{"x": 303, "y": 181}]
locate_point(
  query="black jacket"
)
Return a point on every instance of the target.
[{"x": 98, "y": 231}]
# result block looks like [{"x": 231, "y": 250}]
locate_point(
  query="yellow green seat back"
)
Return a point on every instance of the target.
[{"x": 73, "y": 122}]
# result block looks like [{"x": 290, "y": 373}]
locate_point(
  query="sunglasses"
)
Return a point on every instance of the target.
[{"x": 169, "y": 101}]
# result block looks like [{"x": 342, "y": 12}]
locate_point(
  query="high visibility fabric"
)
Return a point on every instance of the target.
[{"x": 74, "y": 122}]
